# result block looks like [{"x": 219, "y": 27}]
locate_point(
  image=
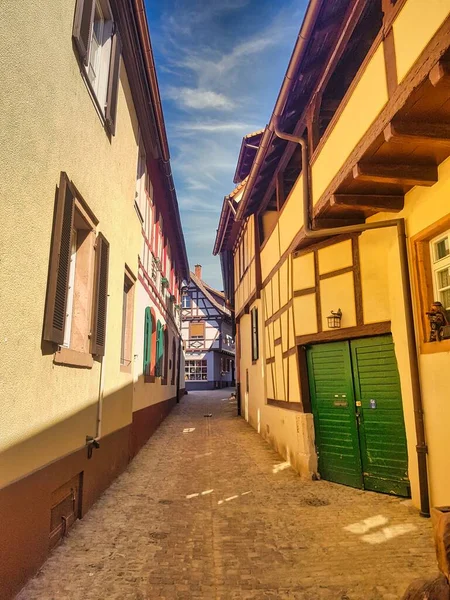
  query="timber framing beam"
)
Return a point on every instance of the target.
[
  {"x": 417, "y": 131},
  {"x": 329, "y": 222},
  {"x": 408, "y": 175},
  {"x": 384, "y": 202},
  {"x": 440, "y": 74}
]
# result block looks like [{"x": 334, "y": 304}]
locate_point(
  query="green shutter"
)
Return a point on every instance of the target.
[{"x": 147, "y": 340}]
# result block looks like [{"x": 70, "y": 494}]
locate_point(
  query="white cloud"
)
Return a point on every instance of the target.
[
  {"x": 216, "y": 127},
  {"x": 200, "y": 99},
  {"x": 196, "y": 184}
]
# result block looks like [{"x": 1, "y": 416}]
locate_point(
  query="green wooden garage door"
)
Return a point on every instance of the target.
[
  {"x": 333, "y": 404},
  {"x": 358, "y": 415}
]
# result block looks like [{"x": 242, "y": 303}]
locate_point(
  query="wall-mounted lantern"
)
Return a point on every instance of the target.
[{"x": 334, "y": 320}]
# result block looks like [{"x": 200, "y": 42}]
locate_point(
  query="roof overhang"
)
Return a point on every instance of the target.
[{"x": 247, "y": 153}]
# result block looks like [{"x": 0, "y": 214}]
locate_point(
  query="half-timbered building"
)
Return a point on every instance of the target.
[
  {"x": 340, "y": 245},
  {"x": 207, "y": 331}
]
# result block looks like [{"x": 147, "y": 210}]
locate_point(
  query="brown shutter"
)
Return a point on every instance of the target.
[
  {"x": 197, "y": 329},
  {"x": 82, "y": 23},
  {"x": 113, "y": 83},
  {"x": 100, "y": 298},
  {"x": 58, "y": 280}
]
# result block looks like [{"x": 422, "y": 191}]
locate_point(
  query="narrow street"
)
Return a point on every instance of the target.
[{"x": 208, "y": 510}]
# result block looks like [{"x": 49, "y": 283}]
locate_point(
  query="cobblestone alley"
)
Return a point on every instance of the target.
[{"x": 208, "y": 510}]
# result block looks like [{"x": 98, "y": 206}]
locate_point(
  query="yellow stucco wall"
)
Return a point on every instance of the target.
[
  {"x": 290, "y": 433},
  {"x": 245, "y": 284},
  {"x": 367, "y": 100},
  {"x": 413, "y": 29},
  {"x": 337, "y": 256},
  {"x": 48, "y": 123}
]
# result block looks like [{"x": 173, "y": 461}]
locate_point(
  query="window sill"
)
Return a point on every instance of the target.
[
  {"x": 73, "y": 358},
  {"x": 435, "y": 347},
  {"x": 125, "y": 368}
]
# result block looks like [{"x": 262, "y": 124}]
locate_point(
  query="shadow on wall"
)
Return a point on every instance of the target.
[{"x": 34, "y": 508}]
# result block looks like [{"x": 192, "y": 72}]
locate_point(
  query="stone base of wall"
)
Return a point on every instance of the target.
[{"x": 25, "y": 505}]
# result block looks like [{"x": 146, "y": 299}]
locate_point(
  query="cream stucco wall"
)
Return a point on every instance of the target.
[{"x": 48, "y": 123}]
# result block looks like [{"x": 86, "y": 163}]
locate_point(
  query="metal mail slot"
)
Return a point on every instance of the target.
[{"x": 340, "y": 403}]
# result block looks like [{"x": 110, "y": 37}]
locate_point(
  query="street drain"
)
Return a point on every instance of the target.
[
  {"x": 165, "y": 502},
  {"x": 313, "y": 501}
]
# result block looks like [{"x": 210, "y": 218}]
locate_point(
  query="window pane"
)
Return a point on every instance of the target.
[
  {"x": 442, "y": 249},
  {"x": 445, "y": 299},
  {"x": 444, "y": 278}
]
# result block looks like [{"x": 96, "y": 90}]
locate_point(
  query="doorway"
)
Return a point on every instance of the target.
[{"x": 358, "y": 414}]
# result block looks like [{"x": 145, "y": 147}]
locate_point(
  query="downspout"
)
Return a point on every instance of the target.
[
  {"x": 180, "y": 347},
  {"x": 421, "y": 446}
]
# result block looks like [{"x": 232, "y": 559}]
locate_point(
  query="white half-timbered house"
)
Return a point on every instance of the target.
[{"x": 207, "y": 332}]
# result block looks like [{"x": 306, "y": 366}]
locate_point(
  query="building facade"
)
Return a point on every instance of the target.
[
  {"x": 208, "y": 336},
  {"x": 340, "y": 248},
  {"x": 91, "y": 331}
]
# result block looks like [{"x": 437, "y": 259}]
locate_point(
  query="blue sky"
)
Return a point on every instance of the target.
[{"x": 220, "y": 66}]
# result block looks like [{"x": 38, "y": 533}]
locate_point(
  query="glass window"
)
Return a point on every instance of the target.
[
  {"x": 196, "y": 370},
  {"x": 100, "y": 52},
  {"x": 440, "y": 253}
]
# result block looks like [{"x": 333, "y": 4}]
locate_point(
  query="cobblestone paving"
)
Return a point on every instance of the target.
[{"x": 208, "y": 510}]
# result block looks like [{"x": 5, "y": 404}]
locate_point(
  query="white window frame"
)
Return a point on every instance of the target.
[
  {"x": 438, "y": 265},
  {"x": 70, "y": 291},
  {"x": 184, "y": 303},
  {"x": 97, "y": 69},
  {"x": 196, "y": 370}
]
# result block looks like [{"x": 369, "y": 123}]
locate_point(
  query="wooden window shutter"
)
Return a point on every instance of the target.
[
  {"x": 113, "y": 83},
  {"x": 98, "y": 333},
  {"x": 255, "y": 334},
  {"x": 82, "y": 23},
  {"x": 58, "y": 281},
  {"x": 197, "y": 329}
]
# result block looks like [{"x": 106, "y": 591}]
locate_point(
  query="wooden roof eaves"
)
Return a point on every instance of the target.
[
  {"x": 200, "y": 284},
  {"x": 226, "y": 216},
  {"x": 242, "y": 152},
  {"x": 134, "y": 18},
  {"x": 286, "y": 91}
]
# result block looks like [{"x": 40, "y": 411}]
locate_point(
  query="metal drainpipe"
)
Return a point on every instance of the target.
[{"x": 421, "y": 446}]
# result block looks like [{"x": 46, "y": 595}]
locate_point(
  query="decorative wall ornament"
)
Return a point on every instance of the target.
[
  {"x": 334, "y": 320},
  {"x": 438, "y": 322}
]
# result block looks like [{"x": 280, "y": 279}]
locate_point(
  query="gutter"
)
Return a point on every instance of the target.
[
  {"x": 297, "y": 55},
  {"x": 399, "y": 224}
]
